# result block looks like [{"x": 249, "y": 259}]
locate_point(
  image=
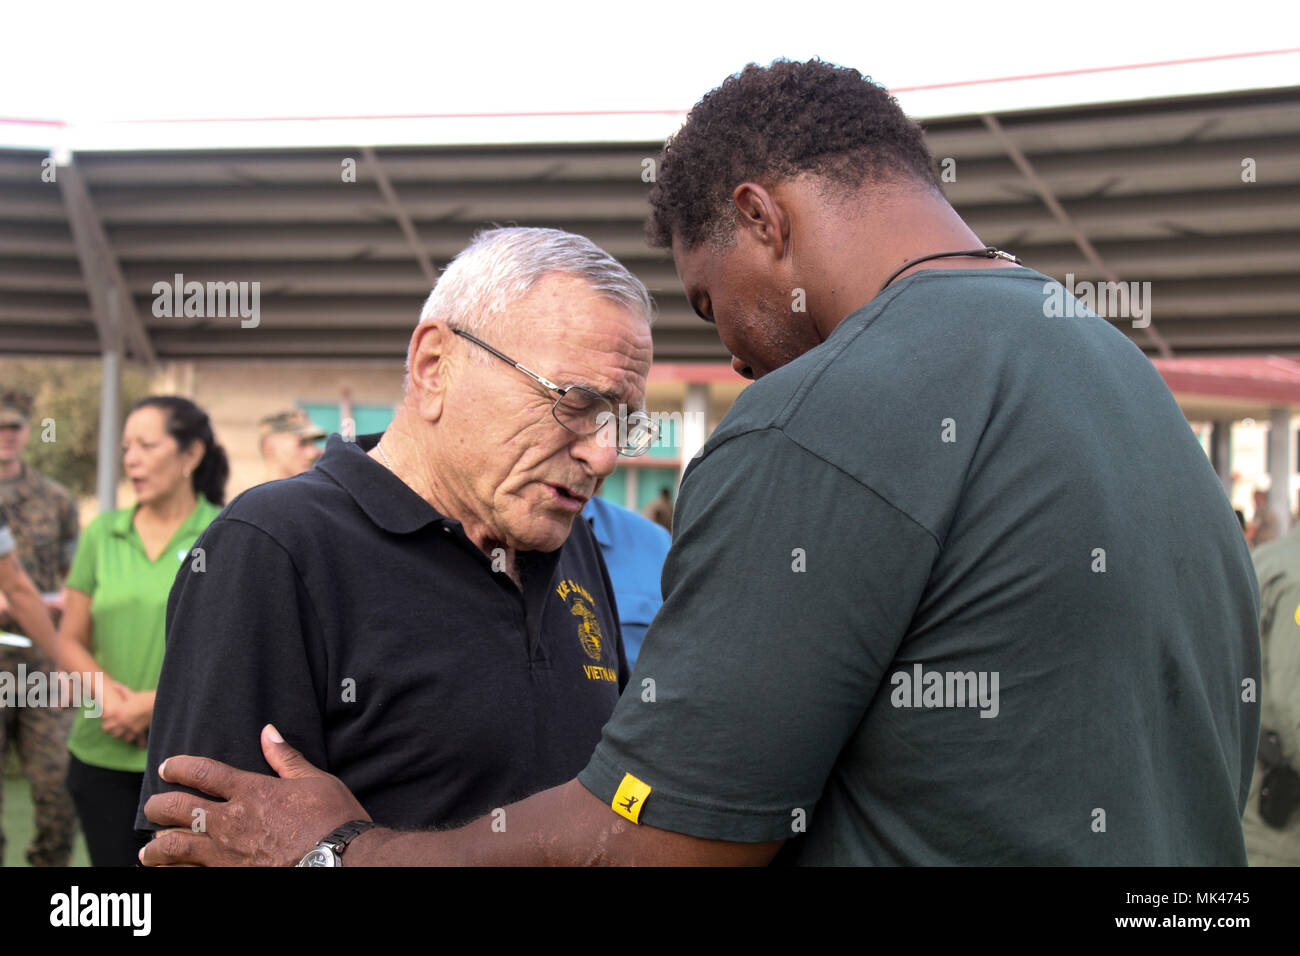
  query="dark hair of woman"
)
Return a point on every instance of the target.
[{"x": 187, "y": 423}]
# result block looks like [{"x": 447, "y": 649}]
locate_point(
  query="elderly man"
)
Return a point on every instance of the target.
[
  {"x": 951, "y": 583},
  {"x": 422, "y": 611}
]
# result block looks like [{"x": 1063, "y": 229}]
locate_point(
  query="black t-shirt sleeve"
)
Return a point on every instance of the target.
[
  {"x": 243, "y": 650},
  {"x": 776, "y": 631}
]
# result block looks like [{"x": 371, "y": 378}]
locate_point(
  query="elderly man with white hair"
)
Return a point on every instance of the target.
[{"x": 421, "y": 611}]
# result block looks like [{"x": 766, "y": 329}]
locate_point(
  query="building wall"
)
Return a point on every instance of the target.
[
  {"x": 237, "y": 395},
  {"x": 1250, "y": 464}
]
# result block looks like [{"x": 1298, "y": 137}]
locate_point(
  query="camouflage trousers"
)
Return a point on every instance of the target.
[{"x": 40, "y": 735}]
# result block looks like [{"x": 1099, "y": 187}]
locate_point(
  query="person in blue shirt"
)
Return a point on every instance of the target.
[{"x": 634, "y": 549}]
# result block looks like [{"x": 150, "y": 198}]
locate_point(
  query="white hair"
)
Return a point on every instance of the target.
[{"x": 500, "y": 266}]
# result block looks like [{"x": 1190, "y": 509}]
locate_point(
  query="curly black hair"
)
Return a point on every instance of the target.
[{"x": 773, "y": 122}]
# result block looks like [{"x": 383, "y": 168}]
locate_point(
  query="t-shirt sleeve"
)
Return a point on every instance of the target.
[
  {"x": 787, "y": 591},
  {"x": 84, "y": 574},
  {"x": 243, "y": 650},
  {"x": 6, "y": 538}
]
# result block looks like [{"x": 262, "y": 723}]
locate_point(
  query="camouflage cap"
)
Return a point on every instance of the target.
[
  {"x": 293, "y": 422},
  {"x": 15, "y": 406}
]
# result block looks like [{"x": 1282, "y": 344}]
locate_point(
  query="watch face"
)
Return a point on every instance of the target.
[{"x": 321, "y": 856}]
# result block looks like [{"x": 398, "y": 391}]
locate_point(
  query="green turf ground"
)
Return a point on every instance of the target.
[{"x": 18, "y": 821}]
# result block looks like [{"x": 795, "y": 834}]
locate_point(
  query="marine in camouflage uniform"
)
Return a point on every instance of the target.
[
  {"x": 42, "y": 518},
  {"x": 1277, "y": 565}
]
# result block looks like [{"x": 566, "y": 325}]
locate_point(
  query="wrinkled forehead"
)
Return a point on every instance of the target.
[
  {"x": 575, "y": 336},
  {"x": 611, "y": 357}
]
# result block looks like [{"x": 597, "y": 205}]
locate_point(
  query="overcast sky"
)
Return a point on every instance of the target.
[{"x": 103, "y": 64}]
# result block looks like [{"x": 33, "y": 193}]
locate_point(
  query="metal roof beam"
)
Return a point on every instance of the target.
[
  {"x": 110, "y": 297},
  {"x": 400, "y": 214},
  {"x": 1063, "y": 217}
]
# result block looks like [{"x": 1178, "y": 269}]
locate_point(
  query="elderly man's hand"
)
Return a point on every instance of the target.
[{"x": 264, "y": 821}]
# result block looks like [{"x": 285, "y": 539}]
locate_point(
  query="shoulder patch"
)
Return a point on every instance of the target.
[{"x": 630, "y": 798}]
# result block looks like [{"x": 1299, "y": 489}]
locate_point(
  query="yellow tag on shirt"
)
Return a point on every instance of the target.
[{"x": 630, "y": 798}]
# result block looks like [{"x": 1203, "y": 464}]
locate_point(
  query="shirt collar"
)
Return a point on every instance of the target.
[
  {"x": 387, "y": 500},
  {"x": 597, "y": 518}
]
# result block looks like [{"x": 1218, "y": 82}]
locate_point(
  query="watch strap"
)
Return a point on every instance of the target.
[{"x": 339, "y": 839}]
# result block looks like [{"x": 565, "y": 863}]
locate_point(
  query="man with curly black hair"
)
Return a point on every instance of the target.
[
  {"x": 781, "y": 122},
  {"x": 798, "y": 176},
  {"x": 940, "y": 584}
]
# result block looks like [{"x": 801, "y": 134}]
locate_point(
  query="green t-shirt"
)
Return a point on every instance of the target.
[
  {"x": 128, "y": 611},
  {"x": 958, "y": 585}
]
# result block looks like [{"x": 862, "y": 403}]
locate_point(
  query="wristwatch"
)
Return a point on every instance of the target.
[{"x": 329, "y": 852}]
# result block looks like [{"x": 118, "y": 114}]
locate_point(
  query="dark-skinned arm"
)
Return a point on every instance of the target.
[
  {"x": 564, "y": 826},
  {"x": 274, "y": 821}
]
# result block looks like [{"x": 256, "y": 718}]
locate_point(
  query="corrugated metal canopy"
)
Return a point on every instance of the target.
[{"x": 1155, "y": 186}]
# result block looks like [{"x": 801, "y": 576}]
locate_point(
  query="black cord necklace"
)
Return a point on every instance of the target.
[{"x": 988, "y": 252}]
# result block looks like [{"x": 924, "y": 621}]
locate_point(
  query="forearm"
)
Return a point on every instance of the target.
[
  {"x": 563, "y": 826},
  {"x": 273, "y": 821},
  {"x": 67, "y": 654},
  {"x": 536, "y": 831},
  {"x": 34, "y": 619},
  {"x": 71, "y": 650},
  {"x": 74, "y": 658},
  {"x": 143, "y": 714}
]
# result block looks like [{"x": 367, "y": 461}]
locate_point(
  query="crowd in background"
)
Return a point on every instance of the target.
[{"x": 107, "y": 589}]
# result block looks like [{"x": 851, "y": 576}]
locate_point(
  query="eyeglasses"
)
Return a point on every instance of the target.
[{"x": 585, "y": 412}]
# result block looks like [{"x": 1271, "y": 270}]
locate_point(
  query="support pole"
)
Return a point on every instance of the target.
[
  {"x": 1221, "y": 453},
  {"x": 110, "y": 412},
  {"x": 1279, "y": 471},
  {"x": 695, "y": 422}
]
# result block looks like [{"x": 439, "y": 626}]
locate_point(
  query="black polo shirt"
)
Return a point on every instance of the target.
[{"x": 379, "y": 640}]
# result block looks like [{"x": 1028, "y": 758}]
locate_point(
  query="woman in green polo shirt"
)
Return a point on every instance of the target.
[{"x": 115, "y": 604}]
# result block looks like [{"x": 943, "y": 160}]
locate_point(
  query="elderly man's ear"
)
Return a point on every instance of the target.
[{"x": 431, "y": 372}]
